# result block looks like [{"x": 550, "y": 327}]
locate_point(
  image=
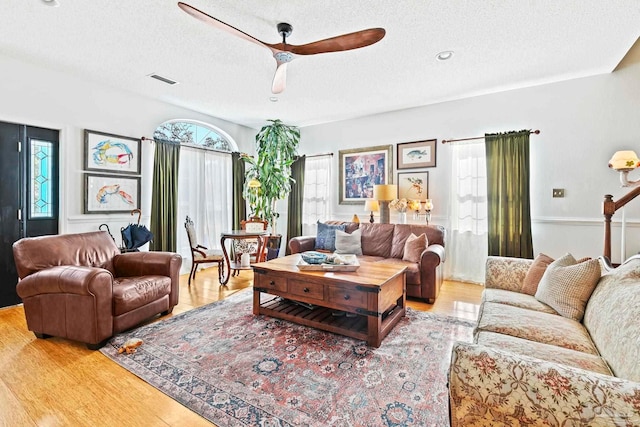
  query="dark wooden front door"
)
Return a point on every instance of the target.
[{"x": 29, "y": 194}]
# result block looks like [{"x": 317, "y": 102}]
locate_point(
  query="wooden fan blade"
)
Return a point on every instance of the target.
[
  {"x": 280, "y": 78},
  {"x": 198, "y": 14},
  {"x": 336, "y": 44}
]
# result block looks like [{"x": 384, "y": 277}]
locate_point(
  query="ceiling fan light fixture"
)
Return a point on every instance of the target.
[{"x": 444, "y": 55}]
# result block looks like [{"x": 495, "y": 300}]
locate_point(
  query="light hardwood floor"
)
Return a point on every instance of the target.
[{"x": 56, "y": 382}]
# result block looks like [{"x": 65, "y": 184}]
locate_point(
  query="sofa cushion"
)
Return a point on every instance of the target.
[
  {"x": 516, "y": 299},
  {"x": 534, "y": 274},
  {"x": 550, "y": 353},
  {"x": 326, "y": 236},
  {"x": 611, "y": 317},
  {"x": 376, "y": 239},
  {"x": 535, "y": 326},
  {"x": 412, "y": 273},
  {"x": 414, "y": 246},
  {"x": 566, "y": 285},
  {"x": 349, "y": 243},
  {"x": 435, "y": 236},
  {"x": 130, "y": 293}
]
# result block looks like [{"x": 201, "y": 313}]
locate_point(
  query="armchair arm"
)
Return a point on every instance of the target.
[
  {"x": 506, "y": 273},
  {"x": 132, "y": 264},
  {"x": 302, "y": 244},
  {"x": 67, "y": 279},
  {"x": 490, "y": 386}
]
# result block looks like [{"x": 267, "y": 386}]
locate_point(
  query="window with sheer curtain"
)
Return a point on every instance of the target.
[
  {"x": 316, "y": 204},
  {"x": 467, "y": 237},
  {"x": 204, "y": 182},
  {"x": 204, "y": 194}
]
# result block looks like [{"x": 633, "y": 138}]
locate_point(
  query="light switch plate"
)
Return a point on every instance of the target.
[{"x": 558, "y": 192}]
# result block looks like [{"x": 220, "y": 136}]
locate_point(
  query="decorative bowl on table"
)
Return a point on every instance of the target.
[{"x": 313, "y": 257}]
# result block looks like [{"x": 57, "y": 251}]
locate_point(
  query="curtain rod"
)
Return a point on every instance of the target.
[
  {"x": 447, "y": 141},
  {"x": 317, "y": 155}
]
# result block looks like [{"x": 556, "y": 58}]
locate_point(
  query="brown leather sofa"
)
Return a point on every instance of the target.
[
  {"x": 80, "y": 287},
  {"x": 385, "y": 243}
]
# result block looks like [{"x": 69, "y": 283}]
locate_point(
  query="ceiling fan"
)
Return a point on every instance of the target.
[{"x": 285, "y": 53}]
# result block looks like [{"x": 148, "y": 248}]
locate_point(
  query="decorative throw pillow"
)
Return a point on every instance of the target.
[
  {"x": 326, "y": 236},
  {"x": 566, "y": 285},
  {"x": 414, "y": 246},
  {"x": 348, "y": 243},
  {"x": 534, "y": 274}
]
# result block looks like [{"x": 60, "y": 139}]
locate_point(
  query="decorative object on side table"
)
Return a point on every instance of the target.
[
  {"x": 401, "y": 206},
  {"x": 384, "y": 194},
  {"x": 371, "y": 206}
]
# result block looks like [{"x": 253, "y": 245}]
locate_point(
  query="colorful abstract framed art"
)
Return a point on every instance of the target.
[
  {"x": 419, "y": 154},
  {"x": 413, "y": 185},
  {"x": 111, "y": 193},
  {"x": 111, "y": 153},
  {"x": 360, "y": 169}
]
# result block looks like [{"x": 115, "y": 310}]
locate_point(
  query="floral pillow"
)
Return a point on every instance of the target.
[{"x": 326, "y": 236}]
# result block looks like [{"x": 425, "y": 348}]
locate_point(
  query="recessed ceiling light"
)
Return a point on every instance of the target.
[
  {"x": 52, "y": 3},
  {"x": 273, "y": 99},
  {"x": 162, "y": 79},
  {"x": 444, "y": 55}
]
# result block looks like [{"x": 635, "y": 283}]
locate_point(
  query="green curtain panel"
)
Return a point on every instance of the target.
[
  {"x": 164, "y": 198},
  {"x": 508, "y": 197},
  {"x": 239, "y": 205},
  {"x": 294, "y": 213}
]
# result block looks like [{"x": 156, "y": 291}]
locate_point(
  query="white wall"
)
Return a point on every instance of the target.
[
  {"x": 52, "y": 99},
  {"x": 582, "y": 123}
]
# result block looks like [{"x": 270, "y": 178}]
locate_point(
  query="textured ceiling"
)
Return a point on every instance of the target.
[{"x": 498, "y": 45}]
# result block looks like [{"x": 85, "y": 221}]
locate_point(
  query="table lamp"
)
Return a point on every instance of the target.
[
  {"x": 372, "y": 206},
  {"x": 384, "y": 193}
]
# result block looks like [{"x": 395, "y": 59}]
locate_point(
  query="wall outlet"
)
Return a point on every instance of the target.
[{"x": 558, "y": 192}]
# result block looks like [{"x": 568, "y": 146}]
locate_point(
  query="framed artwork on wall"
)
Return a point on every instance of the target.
[
  {"x": 360, "y": 169},
  {"x": 413, "y": 185},
  {"x": 111, "y": 193},
  {"x": 111, "y": 153},
  {"x": 418, "y": 154}
]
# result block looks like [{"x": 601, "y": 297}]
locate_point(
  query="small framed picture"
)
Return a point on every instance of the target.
[
  {"x": 111, "y": 153},
  {"x": 360, "y": 169},
  {"x": 111, "y": 193},
  {"x": 413, "y": 185},
  {"x": 419, "y": 154}
]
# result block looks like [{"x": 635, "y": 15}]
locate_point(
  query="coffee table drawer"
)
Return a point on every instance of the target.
[
  {"x": 306, "y": 289},
  {"x": 266, "y": 282},
  {"x": 347, "y": 296}
]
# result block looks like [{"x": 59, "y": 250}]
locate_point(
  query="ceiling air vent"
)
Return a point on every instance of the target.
[{"x": 163, "y": 79}]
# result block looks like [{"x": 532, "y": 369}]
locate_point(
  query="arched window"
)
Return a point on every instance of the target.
[
  {"x": 204, "y": 181},
  {"x": 196, "y": 134}
]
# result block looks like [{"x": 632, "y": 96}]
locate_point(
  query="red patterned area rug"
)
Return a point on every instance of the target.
[{"x": 237, "y": 369}]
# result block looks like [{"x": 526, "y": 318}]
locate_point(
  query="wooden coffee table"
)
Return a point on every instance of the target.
[{"x": 374, "y": 296}]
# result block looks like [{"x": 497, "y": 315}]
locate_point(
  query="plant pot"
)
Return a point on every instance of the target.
[{"x": 273, "y": 243}]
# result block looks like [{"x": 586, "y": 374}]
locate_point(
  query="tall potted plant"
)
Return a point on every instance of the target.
[{"x": 268, "y": 175}]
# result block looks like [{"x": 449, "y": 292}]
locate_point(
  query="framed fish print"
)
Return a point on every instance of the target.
[
  {"x": 413, "y": 185},
  {"x": 111, "y": 153},
  {"x": 419, "y": 154},
  {"x": 361, "y": 169},
  {"x": 111, "y": 193}
]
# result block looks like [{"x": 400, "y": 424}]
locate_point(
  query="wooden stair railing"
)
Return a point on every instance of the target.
[{"x": 609, "y": 207}]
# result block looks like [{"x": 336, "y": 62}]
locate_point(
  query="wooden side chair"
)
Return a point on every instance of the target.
[
  {"x": 201, "y": 254},
  {"x": 250, "y": 246}
]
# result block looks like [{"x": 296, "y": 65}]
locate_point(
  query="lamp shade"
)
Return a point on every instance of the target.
[
  {"x": 624, "y": 160},
  {"x": 371, "y": 206},
  {"x": 385, "y": 192}
]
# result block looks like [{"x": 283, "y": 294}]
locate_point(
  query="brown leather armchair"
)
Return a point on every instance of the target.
[{"x": 80, "y": 287}]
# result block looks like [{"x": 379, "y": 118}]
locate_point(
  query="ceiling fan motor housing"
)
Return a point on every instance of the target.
[{"x": 285, "y": 30}]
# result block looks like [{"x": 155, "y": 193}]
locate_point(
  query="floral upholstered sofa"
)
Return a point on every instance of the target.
[{"x": 529, "y": 365}]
